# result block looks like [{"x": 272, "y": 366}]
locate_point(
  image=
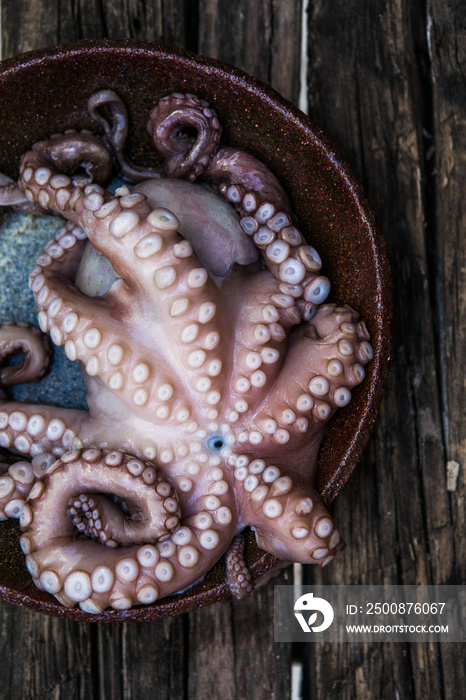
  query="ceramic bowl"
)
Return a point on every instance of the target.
[{"x": 45, "y": 92}]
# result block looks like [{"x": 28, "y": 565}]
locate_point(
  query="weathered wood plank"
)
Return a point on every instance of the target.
[
  {"x": 236, "y": 658},
  {"x": 369, "y": 87},
  {"x": 43, "y": 657},
  {"x": 263, "y": 38},
  {"x": 30, "y": 25},
  {"x": 141, "y": 660},
  {"x": 446, "y": 22}
]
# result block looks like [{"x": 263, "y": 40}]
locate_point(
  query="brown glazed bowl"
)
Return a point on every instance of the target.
[{"x": 45, "y": 92}]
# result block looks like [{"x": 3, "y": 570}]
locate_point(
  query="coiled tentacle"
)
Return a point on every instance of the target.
[
  {"x": 85, "y": 571},
  {"x": 22, "y": 338},
  {"x": 116, "y": 133}
]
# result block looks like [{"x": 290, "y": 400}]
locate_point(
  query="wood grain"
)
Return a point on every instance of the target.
[
  {"x": 378, "y": 86},
  {"x": 263, "y": 38}
]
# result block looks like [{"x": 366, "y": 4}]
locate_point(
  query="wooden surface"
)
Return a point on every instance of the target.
[{"x": 386, "y": 80}]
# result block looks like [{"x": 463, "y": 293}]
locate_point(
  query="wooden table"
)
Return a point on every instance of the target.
[{"x": 386, "y": 80}]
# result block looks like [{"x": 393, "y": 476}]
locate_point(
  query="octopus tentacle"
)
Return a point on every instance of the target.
[
  {"x": 80, "y": 324},
  {"x": 152, "y": 508},
  {"x": 186, "y": 132},
  {"x": 17, "y": 482},
  {"x": 21, "y": 337},
  {"x": 290, "y": 521},
  {"x": 15, "y": 486},
  {"x": 265, "y": 215},
  {"x": 238, "y": 577},
  {"x": 136, "y": 239},
  {"x": 29, "y": 429},
  {"x": 66, "y": 154},
  {"x": 10, "y": 193},
  {"x": 255, "y": 192},
  {"x": 87, "y": 572},
  {"x": 116, "y": 133},
  {"x": 260, "y": 344},
  {"x": 324, "y": 362}
]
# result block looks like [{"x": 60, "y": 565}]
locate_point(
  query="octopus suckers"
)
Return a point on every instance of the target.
[
  {"x": 141, "y": 373},
  {"x": 250, "y": 483},
  {"x": 206, "y": 312},
  {"x": 300, "y": 533},
  {"x": 304, "y": 507},
  {"x": 116, "y": 381},
  {"x": 317, "y": 290},
  {"x": 345, "y": 347},
  {"x": 322, "y": 411},
  {"x": 147, "y": 594},
  {"x": 183, "y": 249},
  {"x": 196, "y": 358},
  {"x": 319, "y": 553},
  {"x": 7, "y": 486},
  {"x": 182, "y": 536},
  {"x": 149, "y": 245},
  {"x": 209, "y": 539},
  {"x": 164, "y": 571},
  {"x": 323, "y": 527},
  {"x": 93, "y": 201},
  {"x": 258, "y": 378},
  {"x": 179, "y": 307},
  {"x": 102, "y": 579},
  {"x": 342, "y": 396},
  {"x": 163, "y": 219},
  {"x": 77, "y": 586},
  {"x": 92, "y": 338},
  {"x": 366, "y": 350},
  {"x": 197, "y": 278},
  {"x": 128, "y": 201},
  {"x": 93, "y": 366},
  {"x": 272, "y": 508},
  {"x": 261, "y": 333},
  {"x": 319, "y": 386},
  {"x": 50, "y": 581},
  {"x": 18, "y": 420},
  {"x": 211, "y": 340},
  {"x": 127, "y": 569},
  {"x": 70, "y": 322},
  {"x": 123, "y": 223},
  {"x": 188, "y": 556},
  {"x": 42, "y": 176},
  {"x": 56, "y": 429},
  {"x": 278, "y": 251},
  {"x": 70, "y": 350},
  {"x": 190, "y": 333},
  {"x": 115, "y": 354},
  {"x": 165, "y": 277},
  {"x": 106, "y": 209}
]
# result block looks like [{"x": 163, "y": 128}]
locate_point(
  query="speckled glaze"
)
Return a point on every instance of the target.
[{"x": 47, "y": 92}]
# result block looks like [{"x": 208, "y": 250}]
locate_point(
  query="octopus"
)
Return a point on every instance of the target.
[{"x": 212, "y": 365}]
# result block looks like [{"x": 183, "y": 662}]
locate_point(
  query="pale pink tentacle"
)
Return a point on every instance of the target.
[
  {"x": 23, "y": 338},
  {"x": 94, "y": 575}
]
